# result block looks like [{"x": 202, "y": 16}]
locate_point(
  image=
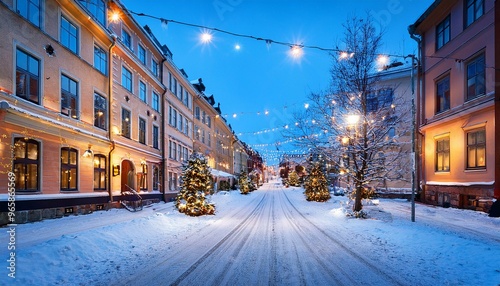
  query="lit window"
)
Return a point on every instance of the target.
[
  {"x": 156, "y": 178},
  {"x": 142, "y": 131},
  {"x": 26, "y": 164},
  {"x": 100, "y": 112},
  {"x": 443, "y": 154},
  {"x": 69, "y": 169},
  {"x": 99, "y": 172},
  {"x": 476, "y": 149},
  {"x": 126, "y": 123}
]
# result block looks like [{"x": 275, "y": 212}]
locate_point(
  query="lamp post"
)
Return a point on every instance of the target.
[{"x": 414, "y": 129}]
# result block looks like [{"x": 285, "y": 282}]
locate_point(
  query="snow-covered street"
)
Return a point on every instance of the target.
[{"x": 272, "y": 236}]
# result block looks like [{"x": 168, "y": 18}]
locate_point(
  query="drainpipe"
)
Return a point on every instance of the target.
[
  {"x": 163, "y": 169},
  {"x": 419, "y": 100},
  {"x": 110, "y": 132}
]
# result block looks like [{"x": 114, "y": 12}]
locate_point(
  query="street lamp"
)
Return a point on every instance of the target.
[{"x": 414, "y": 61}]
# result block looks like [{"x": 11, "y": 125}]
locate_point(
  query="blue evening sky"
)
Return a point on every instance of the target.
[{"x": 260, "y": 77}]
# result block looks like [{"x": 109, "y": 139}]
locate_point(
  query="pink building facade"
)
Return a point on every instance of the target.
[{"x": 456, "y": 104}]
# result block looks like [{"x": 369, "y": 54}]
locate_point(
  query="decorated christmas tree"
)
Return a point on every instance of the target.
[
  {"x": 196, "y": 184},
  {"x": 243, "y": 182},
  {"x": 293, "y": 179},
  {"x": 316, "y": 188}
]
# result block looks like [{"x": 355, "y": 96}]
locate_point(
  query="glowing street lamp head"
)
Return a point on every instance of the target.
[{"x": 352, "y": 119}]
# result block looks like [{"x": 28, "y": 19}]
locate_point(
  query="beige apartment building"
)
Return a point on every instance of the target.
[
  {"x": 457, "y": 109},
  {"x": 94, "y": 113}
]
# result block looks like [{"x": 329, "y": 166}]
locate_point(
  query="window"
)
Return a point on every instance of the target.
[
  {"x": 100, "y": 60},
  {"x": 100, "y": 112},
  {"x": 172, "y": 153},
  {"x": 127, "y": 79},
  {"x": 371, "y": 102},
  {"x": 443, "y": 154},
  {"x": 179, "y": 152},
  {"x": 26, "y": 164},
  {"x": 126, "y": 39},
  {"x": 142, "y": 91},
  {"x": 209, "y": 121},
  {"x": 443, "y": 33},
  {"x": 385, "y": 97},
  {"x": 185, "y": 154},
  {"x": 155, "y": 67},
  {"x": 186, "y": 126},
  {"x": 155, "y": 136},
  {"x": 27, "y": 77},
  {"x": 142, "y": 131},
  {"x": 170, "y": 81},
  {"x": 142, "y": 179},
  {"x": 186, "y": 98},
  {"x": 203, "y": 136},
  {"x": 174, "y": 86},
  {"x": 142, "y": 54},
  {"x": 473, "y": 10},
  {"x": 476, "y": 149},
  {"x": 173, "y": 117},
  {"x": 156, "y": 178},
  {"x": 69, "y": 35},
  {"x": 443, "y": 94},
  {"x": 209, "y": 139},
  {"x": 69, "y": 169},
  {"x": 99, "y": 172},
  {"x": 196, "y": 132},
  {"x": 476, "y": 77},
  {"x": 197, "y": 112},
  {"x": 203, "y": 115},
  {"x": 30, "y": 9},
  {"x": 181, "y": 93},
  {"x": 95, "y": 8},
  {"x": 125, "y": 123},
  {"x": 172, "y": 181},
  {"x": 69, "y": 97},
  {"x": 180, "y": 125},
  {"x": 156, "y": 101}
]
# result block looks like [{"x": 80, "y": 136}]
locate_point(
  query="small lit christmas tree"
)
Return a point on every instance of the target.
[
  {"x": 243, "y": 182},
  {"x": 196, "y": 184},
  {"x": 316, "y": 188},
  {"x": 293, "y": 179}
]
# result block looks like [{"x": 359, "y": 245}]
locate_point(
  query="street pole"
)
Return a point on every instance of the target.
[{"x": 414, "y": 137}]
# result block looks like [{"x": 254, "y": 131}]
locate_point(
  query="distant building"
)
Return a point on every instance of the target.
[{"x": 457, "y": 109}]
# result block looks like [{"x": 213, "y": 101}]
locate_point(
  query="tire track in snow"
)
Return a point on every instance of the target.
[
  {"x": 239, "y": 228},
  {"x": 392, "y": 279}
]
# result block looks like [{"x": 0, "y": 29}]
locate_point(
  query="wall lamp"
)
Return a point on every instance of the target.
[{"x": 88, "y": 153}]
